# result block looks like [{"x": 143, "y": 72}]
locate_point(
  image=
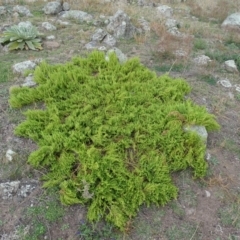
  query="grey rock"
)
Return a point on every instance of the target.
[
  {"x": 3, "y": 10},
  {"x": 8, "y": 189},
  {"x": 202, "y": 60},
  {"x": 106, "y": 21},
  {"x": 97, "y": 22},
  {"x": 141, "y": 3},
  {"x": 26, "y": 189},
  {"x": 62, "y": 23},
  {"x": 99, "y": 35},
  {"x": 16, "y": 234},
  {"x": 237, "y": 87},
  {"x": 21, "y": 67},
  {"x": 48, "y": 26},
  {"x": 77, "y": 15},
  {"x": 92, "y": 45},
  {"x": 26, "y": 24},
  {"x": 101, "y": 40},
  {"x": 52, "y": 8},
  {"x": 15, "y": 17},
  {"x": 51, "y": 44},
  {"x": 10, "y": 155},
  {"x": 120, "y": 55},
  {"x": 208, "y": 156},
  {"x": 144, "y": 25},
  {"x": 165, "y": 11},
  {"x": 200, "y": 130},
  {"x": 102, "y": 48},
  {"x": 232, "y": 21},
  {"x": 28, "y": 82},
  {"x": 110, "y": 40},
  {"x": 171, "y": 23},
  {"x": 66, "y": 6},
  {"x": 207, "y": 193},
  {"x": 180, "y": 53},
  {"x": 231, "y": 66},
  {"x": 22, "y": 10},
  {"x": 174, "y": 31},
  {"x": 120, "y": 26},
  {"x": 51, "y": 37},
  {"x": 225, "y": 83}
]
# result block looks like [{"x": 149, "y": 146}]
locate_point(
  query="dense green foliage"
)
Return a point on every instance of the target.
[
  {"x": 111, "y": 134},
  {"x": 22, "y": 37}
]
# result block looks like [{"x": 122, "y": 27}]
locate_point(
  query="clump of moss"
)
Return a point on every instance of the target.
[{"x": 111, "y": 134}]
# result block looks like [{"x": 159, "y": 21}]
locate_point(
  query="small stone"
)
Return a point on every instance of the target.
[
  {"x": 102, "y": 48},
  {"x": 51, "y": 37},
  {"x": 26, "y": 24},
  {"x": 52, "y": 8},
  {"x": 120, "y": 55},
  {"x": 62, "y": 23},
  {"x": 202, "y": 60},
  {"x": 66, "y": 6},
  {"x": 237, "y": 87},
  {"x": 171, "y": 23},
  {"x": 110, "y": 40},
  {"x": 208, "y": 156},
  {"x": 232, "y": 21},
  {"x": 174, "y": 31},
  {"x": 22, "y": 10},
  {"x": 106, "y": 22},
  {"x": 91, "y": 45},
  {"x": 23, "y": 66},
  {"x": 190, "y": 211},
  {"x": 225, "y": 83},
  {"x": 77, "y": 15},
  {"x": 99, "y": 35},
  {"x": 208, "y": 194},
  {"x": 48, "y": 26},
  {"x": 144, "y": 25},
  {"x": 231, "y": 66},
  {"x": 3, "y": 10},
  {"x": 28, "y": 82},
  {"x": 25, "y": 190},
  {"x": 15, "y": 17},
  {"x": 180, "y": 53},
  {"x": 51, "y": 44},
  {"x": 10, "y": 155},
  {"x": 165, "y": 11},
  {"x": 200, "y": 130},
  {"x": 8, "y": 189}
]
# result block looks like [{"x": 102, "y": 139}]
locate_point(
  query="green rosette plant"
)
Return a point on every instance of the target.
[
  {"x": 111, "y": 134},
  {"x": 22, "y": 37}
]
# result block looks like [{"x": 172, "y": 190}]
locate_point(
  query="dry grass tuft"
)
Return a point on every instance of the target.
[
  {"x": 225, "y": 184},
  {"x": 218, "y": 181},
  {"x": 93, "y": 6},
  {"x": 168, "y": 44},
  {"x": 217, "y": 10}
]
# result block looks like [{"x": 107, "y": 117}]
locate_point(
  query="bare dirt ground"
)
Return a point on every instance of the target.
[{"x": 208, "y": 208}]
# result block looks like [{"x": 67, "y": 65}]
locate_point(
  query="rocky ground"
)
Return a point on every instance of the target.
[{"x": 197, "y": 42}]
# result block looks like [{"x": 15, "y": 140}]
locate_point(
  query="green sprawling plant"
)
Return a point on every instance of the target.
[
  {"x": 111, "y": 134},
  {"x": 22, "y": 37}
]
